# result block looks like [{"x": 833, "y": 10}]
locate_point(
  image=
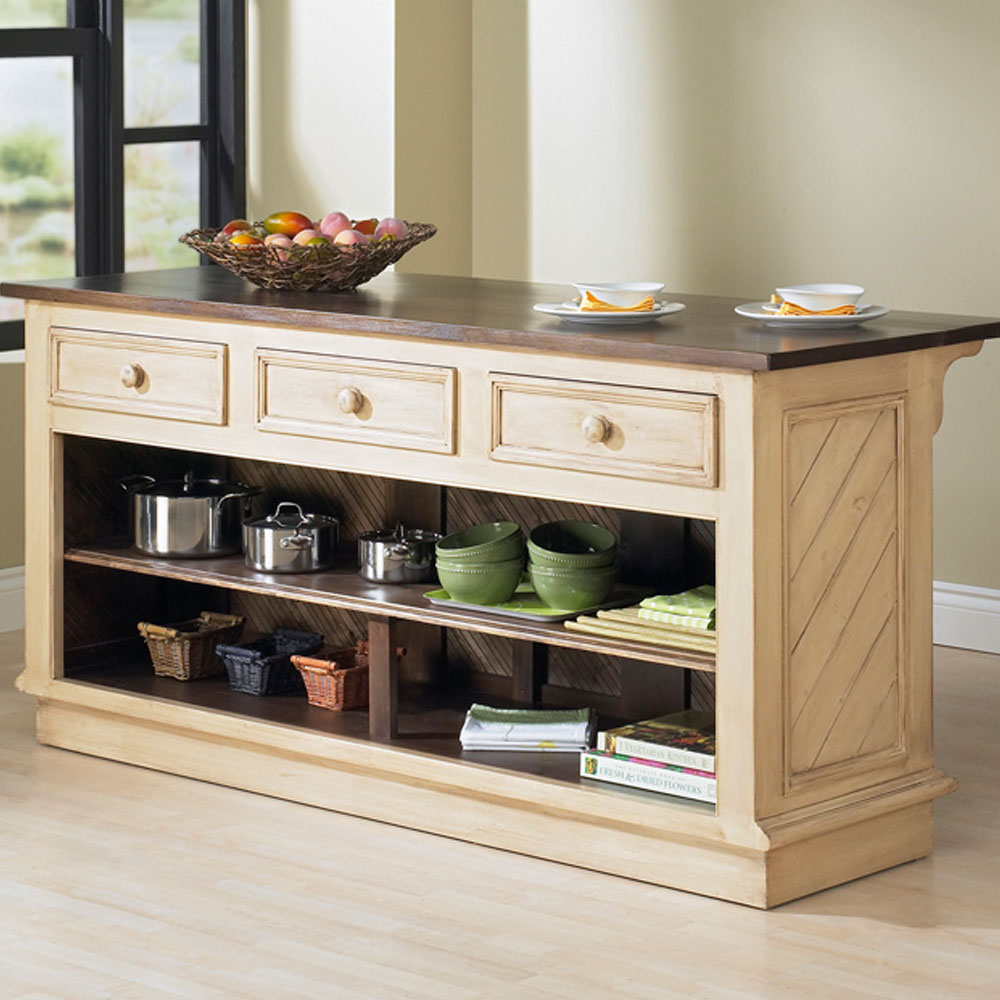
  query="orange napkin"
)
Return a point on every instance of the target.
[
  {"x": 590, "y": 303},
  {"x": 788, "y": 309}
]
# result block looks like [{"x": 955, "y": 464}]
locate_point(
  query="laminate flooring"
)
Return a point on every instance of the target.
[{"x": 124, "y": 884}]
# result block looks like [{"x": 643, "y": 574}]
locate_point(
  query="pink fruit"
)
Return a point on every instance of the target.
[
  {"x": 333, "y": 223},
  {"x": 391, "y": 227},
  {"x": 280, "y": 243},
  {"x": 351, "y": 237},
  {"x": 303, "y": 236}
]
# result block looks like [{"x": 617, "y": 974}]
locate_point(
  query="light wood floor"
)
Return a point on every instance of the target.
[{"x": 121, "y": 883}]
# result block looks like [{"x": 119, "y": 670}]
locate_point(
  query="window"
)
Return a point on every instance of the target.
[{"x": 123, "y": 127}]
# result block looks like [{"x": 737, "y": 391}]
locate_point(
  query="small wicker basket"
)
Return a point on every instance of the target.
[
  {"x": 186, "y": 651},
  {"x": 336, "y": 679},
  {"x": 263, "y": 667},
  {"x": 326, "y": 268}
]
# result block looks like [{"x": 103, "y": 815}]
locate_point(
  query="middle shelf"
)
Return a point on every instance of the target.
[{"x": 348, "y": 590}]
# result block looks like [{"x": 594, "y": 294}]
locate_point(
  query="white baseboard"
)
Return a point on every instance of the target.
[
  {"x": 967, "y": 617},
  {"x": 11, "y": 599}
]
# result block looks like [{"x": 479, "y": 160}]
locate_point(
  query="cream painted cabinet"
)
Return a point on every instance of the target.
[{"x": 795, "y": 472}]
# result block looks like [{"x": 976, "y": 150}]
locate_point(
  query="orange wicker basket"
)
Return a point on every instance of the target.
[{"x": 336, "y": 679}]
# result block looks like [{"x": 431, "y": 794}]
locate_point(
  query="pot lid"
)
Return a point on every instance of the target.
[
  {"x": 189, "y": 486},
  {"x": 289, "y": 516}
]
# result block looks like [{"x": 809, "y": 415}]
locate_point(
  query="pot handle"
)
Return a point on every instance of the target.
[
  {"x": 296, "y": 541},
  {"x": 293, "y": 506},
  {"x": 244, "y": 494},
  {"x": 130, "y": 482}
]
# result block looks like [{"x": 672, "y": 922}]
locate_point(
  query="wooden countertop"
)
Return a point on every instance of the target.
[{"x": 481, "y": 311}]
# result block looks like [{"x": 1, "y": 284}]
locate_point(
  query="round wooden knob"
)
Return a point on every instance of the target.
[
  {"x": 132, "y": 376},
  {"x": 350, "y": 400},
  {"x": 596, "y": 429}
]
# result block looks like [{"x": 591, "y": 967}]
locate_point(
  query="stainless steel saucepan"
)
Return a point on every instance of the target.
[
  {"x": 289, "y": 541},
  {"x": 397, "y": 555}
]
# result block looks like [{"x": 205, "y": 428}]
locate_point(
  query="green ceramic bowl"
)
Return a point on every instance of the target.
[
  {"x": 494, "y": 541},
  {"x": 572, "y": 589},
  {"x": 572, "y": 545},
  {"x": 481, "y": 583}
]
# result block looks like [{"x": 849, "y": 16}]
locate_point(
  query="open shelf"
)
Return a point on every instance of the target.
[
  {"x": 349, "y": 590},
  {"x": 427, "y": 725}
]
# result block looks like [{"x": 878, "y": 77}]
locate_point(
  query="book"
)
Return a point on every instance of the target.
[
  {"x": 668, "y": 779},
  {"x": 487, "y": 728},
  {"x": 686, "y": 739}
]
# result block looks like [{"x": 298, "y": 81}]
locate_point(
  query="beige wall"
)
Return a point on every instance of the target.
[
  {"x": 319, "y": 99},
  {"x": 12, "y": 455}
]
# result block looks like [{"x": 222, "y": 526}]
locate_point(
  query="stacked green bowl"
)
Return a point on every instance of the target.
[
  {"x": 572, "y": 563},
  {"x": 482, "y": 564}
]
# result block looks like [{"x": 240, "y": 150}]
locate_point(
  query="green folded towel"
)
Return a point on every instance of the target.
[{"x": 694, "y": 608}]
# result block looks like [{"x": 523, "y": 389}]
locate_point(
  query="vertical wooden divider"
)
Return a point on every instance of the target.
[
  {"x": 530, "y": 662},
  {"x": 383, "y": 679}
]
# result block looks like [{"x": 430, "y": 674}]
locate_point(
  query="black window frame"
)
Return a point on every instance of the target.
[{"x": 93, "y": 37}]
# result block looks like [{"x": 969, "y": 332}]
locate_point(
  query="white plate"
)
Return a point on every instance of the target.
[
  {"x": 765, "y": 312},
  {"x": 570, "y": 311}
]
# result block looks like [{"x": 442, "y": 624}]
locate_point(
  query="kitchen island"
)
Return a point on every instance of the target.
[{"x": 791, "y": 468}]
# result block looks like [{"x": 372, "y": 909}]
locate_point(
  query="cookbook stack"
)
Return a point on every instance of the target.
[{"x": 671, "y": 754}]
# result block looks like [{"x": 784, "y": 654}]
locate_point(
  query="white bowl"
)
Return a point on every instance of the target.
[
  {"x": 620, "y": 293},
  {"x": 827, "y": 295}
]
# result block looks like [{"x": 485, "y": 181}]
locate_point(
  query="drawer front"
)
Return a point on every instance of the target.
[
  {"x": 356, "y": 399},
  {"x": 652, "y": 434},
  {"x": 150, "y": 376}
]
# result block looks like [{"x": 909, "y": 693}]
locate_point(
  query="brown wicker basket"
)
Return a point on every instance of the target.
[
  {"x": 325, "y": 268},
  {"x": 186, "y": 651}
]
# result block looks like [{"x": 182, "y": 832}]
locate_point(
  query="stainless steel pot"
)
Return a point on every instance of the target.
[
  {"x": 289, "y": 541},
  {"x": 189, "y": 517},
  {"x": 398, "y": 556}
]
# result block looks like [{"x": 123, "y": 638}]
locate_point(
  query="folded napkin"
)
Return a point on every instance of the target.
[
  {"x": 790, "y": 309},
  {"x": 590, "y": 303},
  {"x": 488, "y": 728},
  {"x": 698, "y": 603}
]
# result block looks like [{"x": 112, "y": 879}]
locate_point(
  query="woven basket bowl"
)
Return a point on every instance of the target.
[{"x": 326, "y": 268}]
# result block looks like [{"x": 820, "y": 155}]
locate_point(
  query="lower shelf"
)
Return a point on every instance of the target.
[{"x": 426, "y": 725}]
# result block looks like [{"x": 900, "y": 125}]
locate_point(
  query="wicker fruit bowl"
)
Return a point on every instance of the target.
[{"x": 327, "y": 268}]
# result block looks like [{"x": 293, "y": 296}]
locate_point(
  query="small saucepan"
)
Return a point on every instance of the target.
[
  {"x": 397, "y": 556},
  {"x": 290, "y": 541}
]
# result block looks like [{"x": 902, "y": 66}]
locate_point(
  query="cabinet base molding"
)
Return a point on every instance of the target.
[{"x": 676, "y": 858}]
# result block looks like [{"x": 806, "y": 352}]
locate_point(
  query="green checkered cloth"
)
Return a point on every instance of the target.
[{"x": 692, "y": 608}]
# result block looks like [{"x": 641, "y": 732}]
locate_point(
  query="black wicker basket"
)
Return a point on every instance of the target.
[{"x": 264, "y": 665}]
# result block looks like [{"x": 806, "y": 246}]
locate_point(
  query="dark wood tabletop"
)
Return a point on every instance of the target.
[{"x": 483, "y": 311}]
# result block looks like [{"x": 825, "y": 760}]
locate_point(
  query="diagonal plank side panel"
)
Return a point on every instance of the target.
[
  {"x": 843, "y": 586},
  {"x": 827, "y": 470},
  {"x": 871, "y": 475}
]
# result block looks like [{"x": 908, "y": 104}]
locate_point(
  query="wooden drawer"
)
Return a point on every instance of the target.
[
  {"x": 356, "y": 399},
  {"x": 617, "y": 430},
  {"x": 151, "y": 376}
]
